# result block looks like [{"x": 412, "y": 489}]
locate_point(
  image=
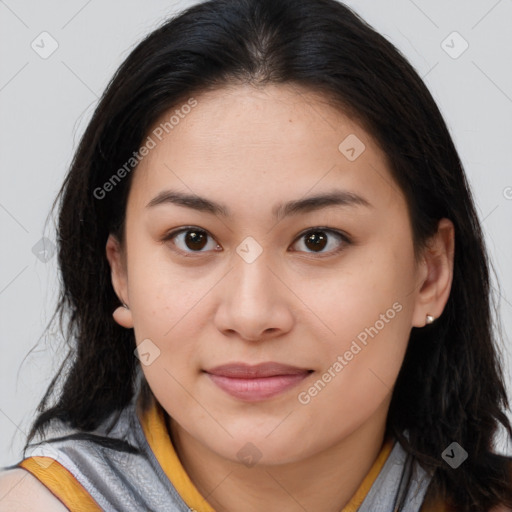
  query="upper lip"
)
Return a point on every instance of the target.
[{"x": 247, "y": 371}]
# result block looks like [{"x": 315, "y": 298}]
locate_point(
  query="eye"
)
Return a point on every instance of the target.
[
  {"x": 318, "y": 238},
  {"x": 191, "y": 238}
]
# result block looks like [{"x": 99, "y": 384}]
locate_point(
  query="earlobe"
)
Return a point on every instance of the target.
[
  {"x": 122, "y": 315},
  {"x": 437, "y": 269}
]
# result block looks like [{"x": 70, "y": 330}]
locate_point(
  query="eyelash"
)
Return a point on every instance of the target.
[{"x": 346, "y": 240}]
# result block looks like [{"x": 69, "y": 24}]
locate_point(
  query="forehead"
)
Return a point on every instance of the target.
[{"x": 250, "y": 143}]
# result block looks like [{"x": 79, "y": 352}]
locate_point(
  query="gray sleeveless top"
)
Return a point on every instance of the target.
[{"x": 120, "y": 481}]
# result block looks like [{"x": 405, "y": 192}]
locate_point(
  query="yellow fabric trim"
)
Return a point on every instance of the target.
[
  {"x": 370, "y": 478},
  {"x": 61, "y": 483},
  {"x": 71, "y": 493},
  {"x": 157, "y": 436},
  {"x": 155, "y": 430}
]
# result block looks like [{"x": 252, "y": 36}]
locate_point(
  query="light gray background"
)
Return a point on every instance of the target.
[{"x": 46, "y": 103}]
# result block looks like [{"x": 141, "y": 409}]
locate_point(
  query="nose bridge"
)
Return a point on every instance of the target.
[
  {"x": 252, "y": 273},
  {"x": 253, "y": 301}
]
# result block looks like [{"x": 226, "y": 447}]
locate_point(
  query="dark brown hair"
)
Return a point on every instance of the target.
[{"x": 450, "y": 387}]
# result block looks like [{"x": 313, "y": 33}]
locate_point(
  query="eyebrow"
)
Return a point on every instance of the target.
[{"x": 298, "y": 206}]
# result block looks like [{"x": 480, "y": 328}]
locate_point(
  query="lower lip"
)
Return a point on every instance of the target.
[{"x": 253, "y": 390}]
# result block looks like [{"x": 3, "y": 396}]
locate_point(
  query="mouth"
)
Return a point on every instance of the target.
[{"x": 253, "y": 383}]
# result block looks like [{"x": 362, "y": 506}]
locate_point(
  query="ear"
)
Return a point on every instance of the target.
[
  {"x": 436, "y": 271},
  {"x": 117, "y": 261}
]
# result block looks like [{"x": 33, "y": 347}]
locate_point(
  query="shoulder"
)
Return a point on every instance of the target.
[{"x": 20, "y": 491}]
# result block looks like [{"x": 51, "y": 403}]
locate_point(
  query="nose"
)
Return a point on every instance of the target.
[{"x": 254, "y": 302}]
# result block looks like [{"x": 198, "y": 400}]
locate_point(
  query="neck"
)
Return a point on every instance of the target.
[{"x": 325, "y": 482}]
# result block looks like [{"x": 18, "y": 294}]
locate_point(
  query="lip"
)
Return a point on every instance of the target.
[{"x": 259, "y": 382}]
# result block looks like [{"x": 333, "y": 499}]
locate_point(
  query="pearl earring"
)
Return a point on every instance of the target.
[{"x": 429, "y": 319}]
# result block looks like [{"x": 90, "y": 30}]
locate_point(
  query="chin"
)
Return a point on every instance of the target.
[{"x": 260, "y": 450}]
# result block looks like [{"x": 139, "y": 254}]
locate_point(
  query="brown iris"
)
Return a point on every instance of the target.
[
  {"x": 195, "y": 240},
  {"x": 316, "y": 240}
]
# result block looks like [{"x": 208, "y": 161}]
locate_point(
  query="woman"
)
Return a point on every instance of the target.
[{"x": 276, "y": 282}]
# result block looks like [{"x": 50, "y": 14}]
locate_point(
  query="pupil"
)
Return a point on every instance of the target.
[
  {"x": 317, "y": 239},
  {"x": 193, "y": 240}
]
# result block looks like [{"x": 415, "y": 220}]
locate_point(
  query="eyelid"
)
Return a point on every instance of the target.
[{"x": 340, "y": 234}]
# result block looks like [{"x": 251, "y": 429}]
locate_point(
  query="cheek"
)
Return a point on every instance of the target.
[
  {"x": 360, "y": 367},
  {"x": 161, "y": 292},
  {"x": 368, "y": 313},
  {"x": 352, "y": 299},
  {"x": 165, "y": 305}
]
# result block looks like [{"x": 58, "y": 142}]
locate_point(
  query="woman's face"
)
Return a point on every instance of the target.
[{"x": 305, "y": 262}]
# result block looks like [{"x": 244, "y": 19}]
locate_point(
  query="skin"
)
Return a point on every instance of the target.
[{"x": 251, "y": 149}]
